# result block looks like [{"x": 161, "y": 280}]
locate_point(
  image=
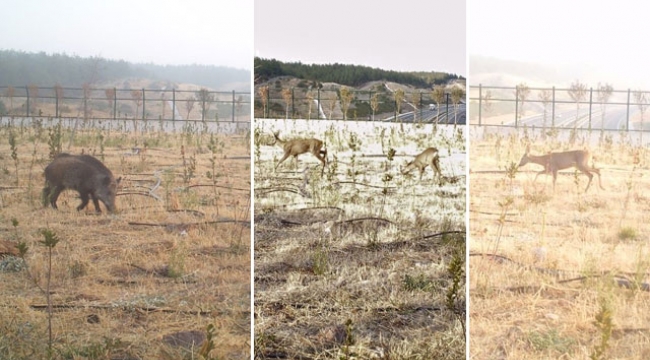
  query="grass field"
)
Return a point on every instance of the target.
[
  {"x": 567, "y": 271},
  {"x": 145, "y": 282},
  {"x": 363, "y": 262}
]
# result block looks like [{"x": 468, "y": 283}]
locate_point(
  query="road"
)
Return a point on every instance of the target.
[
  {"x": 615, "y": 119},
  {"x": 446, "y": 116}
]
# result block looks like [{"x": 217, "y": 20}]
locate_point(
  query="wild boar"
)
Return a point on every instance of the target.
[{"x": 83, "y": 173}]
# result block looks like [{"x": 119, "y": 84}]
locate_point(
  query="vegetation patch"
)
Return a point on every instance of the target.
[
  {"x": 557, "y": 273},
  {"x": 357, "y": 262},
  {"x": 166, "y": 276}
]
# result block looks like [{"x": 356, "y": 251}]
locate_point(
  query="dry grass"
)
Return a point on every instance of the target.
[
  {"x": 128, "y": 284},
  {"x": 568, "y": 246},
  {"x": 353, "y": 264}
]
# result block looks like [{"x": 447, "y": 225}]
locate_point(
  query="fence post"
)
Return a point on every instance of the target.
[
  {"x": 395, "y": 118},
  {"x": 553, "y": 110},
  {"x": 480, "y": 103},
  {"x": 516, "y": 107},
  {"x": 318, "y": 105},
  {"x": 27, "y": 105},
  {"x": 293, "y": 108},
  {"x": 173, "y": 104},
  {"x": 591, "y": 94},
  {"x": 144, "y": 101},
  {"x": 370, "y": 115},
  {"x": 203, "y": 108},
  {"x": 268, "y": 104},
  {"x": 233, "y": 106},
  {"x": 420, "y": 107},
  {"x": 114, "y": 103},
  {"x": 447, "y": 104},
  {"x": 627, "y": 116},
  {"x": 85, "y": 99},
  {"x": 56, "y": 108}
]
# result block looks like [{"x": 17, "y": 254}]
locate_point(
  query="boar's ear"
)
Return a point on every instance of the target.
[{"x": 118, "y": 180}]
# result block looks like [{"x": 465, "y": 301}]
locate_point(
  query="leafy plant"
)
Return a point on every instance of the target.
[
  {"x": 604, "y": 322},
  {"x": 14, "y": 153}
]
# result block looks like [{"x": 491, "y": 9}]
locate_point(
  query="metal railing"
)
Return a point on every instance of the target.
[
  {"x": 559, "y": 108},
  {"x": 316, "y": 103},
  {"x": 120, "y": 104}
]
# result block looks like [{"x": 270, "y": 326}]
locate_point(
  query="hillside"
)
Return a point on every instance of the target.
[
  {"x": 304, "y": 95},
  {"x": 345, "y": 74},
  {"x": 21, "y": 68},
  {"x": 500, "y": 72}
]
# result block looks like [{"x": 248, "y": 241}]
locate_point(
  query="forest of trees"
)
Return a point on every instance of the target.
[
  {"x": 19, "y": 68},
  {"x": 351, "y": 75}
]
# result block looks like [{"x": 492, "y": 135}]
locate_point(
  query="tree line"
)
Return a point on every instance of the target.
[
  {"x": 351, "y": 75},
  {"x": 18, "y": 68}
]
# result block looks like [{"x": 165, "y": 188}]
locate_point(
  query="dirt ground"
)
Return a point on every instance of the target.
[
  {"x": 144, "y": 282},
  {"x": 356, "y": 263},
  {"x": 564, "y": 273}
]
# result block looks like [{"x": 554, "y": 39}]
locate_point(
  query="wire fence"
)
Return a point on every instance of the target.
[
  {"x": 122, "y": 104},
  {"x": 578, "y": 107},
  {"x": 380, "y": 104}
]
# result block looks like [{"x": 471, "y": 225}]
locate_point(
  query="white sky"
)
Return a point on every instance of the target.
[
  {"x": 609, "y": 36},
  {"x": 405, "y": 35},
  {"x": 159, "y": 31}
]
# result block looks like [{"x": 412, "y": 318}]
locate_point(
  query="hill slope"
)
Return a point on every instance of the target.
[
  {"x": 21, "y": 68},
  {"x": 351, "y": 75}
]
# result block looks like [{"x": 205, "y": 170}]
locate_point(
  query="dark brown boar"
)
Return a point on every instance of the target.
[{"x": 83, "y": 173}]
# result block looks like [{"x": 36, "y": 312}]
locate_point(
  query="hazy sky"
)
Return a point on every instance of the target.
[
  {"x": 610, "y": 37},
  {"x": 159, "y": 31},
  {"x": 405, "y": 35}
]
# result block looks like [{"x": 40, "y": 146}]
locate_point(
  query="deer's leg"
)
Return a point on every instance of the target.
[
  {"x": 422, "y": 172},
  {"x": 319, "y": 156},
  {"x": 435, "y": 165},
  {"x": 588, "y": 171},
  {"x": 554, "y": 178},
  {"x": 323, "y": 152},
  {"x": 591, "y": 177},
  {"x": 286, "y": 155},
  {"x": 322, "y": 170},
  {"x": 598, "y": 173}
]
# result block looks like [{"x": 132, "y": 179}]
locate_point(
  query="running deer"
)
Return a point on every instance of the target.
[
  {"x": 426, "y": 158},
  {"x": 300, "y": 146},
  {"x": 555, "y": 161}
]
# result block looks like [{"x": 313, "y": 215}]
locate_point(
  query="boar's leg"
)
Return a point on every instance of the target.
[
  {"x": 51, "y": 195},
  {"x": 84, "y": 200},
  {"x": 96, "y": 203},
  {"x": 46, "y": 195}
]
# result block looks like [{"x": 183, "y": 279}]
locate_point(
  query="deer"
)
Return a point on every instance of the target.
[
  {"x": 297, "y": 147},
  {"x": 555, "y": 161},
  {"x": 427, "y": 157}
]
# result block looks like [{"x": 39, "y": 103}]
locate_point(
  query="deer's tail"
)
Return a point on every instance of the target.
[{"x": 276, "y": 135}]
